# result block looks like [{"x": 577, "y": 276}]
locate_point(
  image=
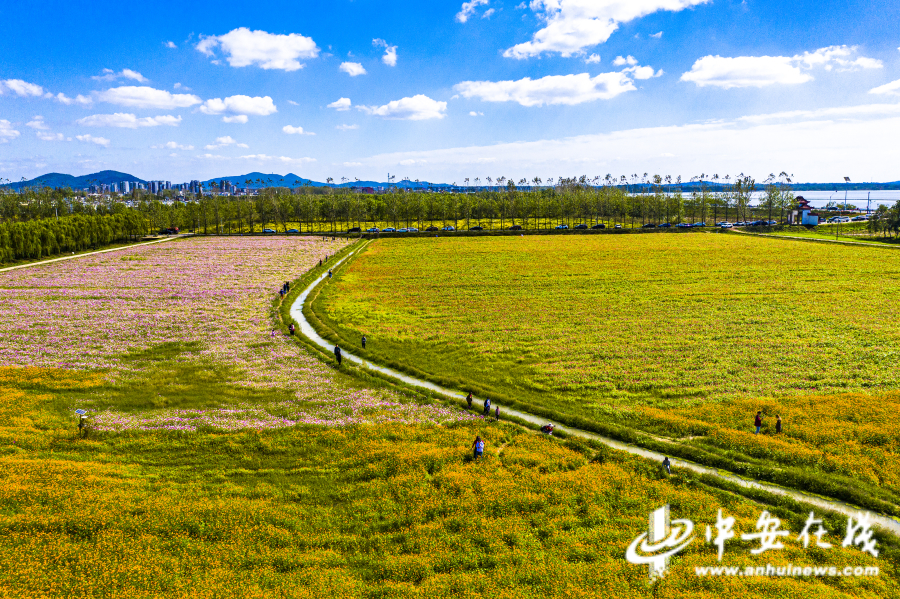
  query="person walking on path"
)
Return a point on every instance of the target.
[
  {"x": 667, "y": 465},
  {"x": 337, "y": 354},
  {"x": 292, "y": 329},
  {"x": 364, "y": 342},
  {"x": 778, "y": 424},
  {"x": 329, "y": 273},
  {"x": 469, "y": 399},
  {"x": 478, "y": 446},
  {"x": 757, "y": 422},
  {"x": 497, "y": 413},
  {"x": 487, "y": 406}
]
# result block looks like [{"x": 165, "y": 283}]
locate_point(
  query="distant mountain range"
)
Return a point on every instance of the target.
[{"x": 257, "y": 180}]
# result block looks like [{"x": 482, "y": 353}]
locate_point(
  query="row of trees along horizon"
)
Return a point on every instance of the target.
[{"x": 41, "y": 221}]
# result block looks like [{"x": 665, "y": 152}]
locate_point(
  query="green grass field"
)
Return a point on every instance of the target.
[{"x": 653, "y": 332}]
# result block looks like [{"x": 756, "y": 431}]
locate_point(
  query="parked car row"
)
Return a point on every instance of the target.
[{"x": 756, "y": 223}]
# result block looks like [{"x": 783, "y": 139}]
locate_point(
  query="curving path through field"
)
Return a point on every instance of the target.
[
  {"x": 84, "y": 254},
  {"x": 885, "y": 522}
]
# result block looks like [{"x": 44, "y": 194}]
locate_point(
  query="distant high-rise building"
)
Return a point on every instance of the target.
[
  {"x": 195, "y": 186},
  {"x": 125, "y": 186},
  {"x": 168, "y": 185}
]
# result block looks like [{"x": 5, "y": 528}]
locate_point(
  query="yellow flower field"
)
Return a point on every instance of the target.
[{"x": 362, "y": 511}]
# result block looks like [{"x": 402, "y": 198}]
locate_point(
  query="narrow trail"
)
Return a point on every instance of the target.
[
  {"x": 885, "y": 522},
  {"x": 86, "y": 254}
]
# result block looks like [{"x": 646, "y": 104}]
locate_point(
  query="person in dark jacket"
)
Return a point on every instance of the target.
[
  {"x": 757, "y": 422},
  {"x": 778, "y": 424},
  {"x": 337, "y": 354},
  {"x": 667, "y": 465},
  {"x": 364, "y": 342},
  {"x": 487, "y": 406},
  {"x": 292, "y": 329},
  {"x": 497, "y": 413},
  {"x": 469, "y": 399}
]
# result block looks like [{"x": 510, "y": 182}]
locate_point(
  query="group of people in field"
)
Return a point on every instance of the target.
[{"x": 757, "y": 422}]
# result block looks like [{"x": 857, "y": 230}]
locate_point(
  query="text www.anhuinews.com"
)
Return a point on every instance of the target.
[{"x": 789, "y": 570}]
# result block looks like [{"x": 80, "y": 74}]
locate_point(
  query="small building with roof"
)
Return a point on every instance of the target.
[{"x": 803, "y": 214}]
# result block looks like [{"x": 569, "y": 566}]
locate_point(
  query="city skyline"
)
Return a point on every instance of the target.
[{"x": 454, "y": 90}]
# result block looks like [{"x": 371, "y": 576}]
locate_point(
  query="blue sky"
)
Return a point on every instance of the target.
[{"x": 445, "y": 91}]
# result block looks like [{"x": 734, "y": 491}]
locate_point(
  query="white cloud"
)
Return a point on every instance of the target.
[
  {"x": 224, "y": 142},
  {"x": 100, "y": 141},
  {"x": 353, "y": 164},
  {"x": 238, "y": 118},
  {"x": 146, "y": 97},
  {"x": 890, "y": 89},
  {"x": 341, "y": 104},
  {"x": 352, "y": 68},
  {"x": 180, "y": 86},
  {"x": 473, "y": 113},
  {"x": 37, "y": 123},
  {"x": 172, "y": 145},
  {"x": 811, "y": 148},
  {"x": 79, "y": 99},
  {"x": 553, "y": 89},
  {"x": 762, "y": 71},
  {"x": 265, "y": 50},
  {"x": 468, "y": 9},
  {"x": 411, "y": 162},
  {"x": 6, "y": 131},
  {"x": 643, "y": 72},
  {"x": 45, "y": 136},
  {"x": 170, "y": 44},
  {"x": 592, "y": 59},
  {"x": 295, "y": 130},
  {"x": 656, "y": 35},
  {"x": 110, "y": 75},
  {"x": 416, "y": 108},
  {"x": 21, "y": 88},
  {"x": 623, "y": 60},
  {"x": 128, "y": 121},
  {"x": 572, "y": 25},
  {"x": 487, "y": 14},
  {"x": 281, "y": 159},
  {"x": 292, "y": 103},
  {"x": 240, "y": 104},
  {"x": 839, "y": 113},
  {"x": 346, "y": 127},
  {"x": 390, "y": 52}
]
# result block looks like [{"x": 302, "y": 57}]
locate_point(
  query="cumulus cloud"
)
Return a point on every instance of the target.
[
  {"x": 100, "y": 141},
  {"x": 352, "y": 68},
  {"x": 656, "y": 35},
  {"x": 111, "y": 75},
  {"x": 238, "y": 118},
  {"x": 37, "y": 123},
  {"x": 240, "y": 104},
  {"x": 172, "y": 145},
  {"x": 762, "y": 71},
  {"x": 416, "y": 108},
  {"x": 79, "y": 99},
  {"x": 639, "y": 72},
  {"x": 224, "y": 142},
  {"x": 623, "y": 60},
  {"x": 47, "y": 136},
  {"x": 170, "y": 44},
  {"x": 889, "y": 89},
  {"x": 340, "y": 105},
  {"x": 128, "y": 120},
  {"x": 473, "y": 113},
  {"x": 244, "y": 47},
  {"x": 468, "y": 9},
  {"x": 21, "y": 88},
  {"x": 146, "y": 97},
  {"x": 295, "y": 130},
  {"x": 553, "y": 89},
  {"x": 487, "y": 14},
  {"x": 390, "y": 52},
  {"x": 592, "y": 59},
  {"x": 572, "y": 25},
  {"x": 346, "y": 127},
  {"x": 6, "y": 131}
]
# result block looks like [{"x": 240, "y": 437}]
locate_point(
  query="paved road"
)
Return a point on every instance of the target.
[
  {"x": 887, "y": 523},
  {"x": 124, "y": 247}
]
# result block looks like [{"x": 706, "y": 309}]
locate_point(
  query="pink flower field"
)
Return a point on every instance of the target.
[{"x": 90, "y": 312}]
